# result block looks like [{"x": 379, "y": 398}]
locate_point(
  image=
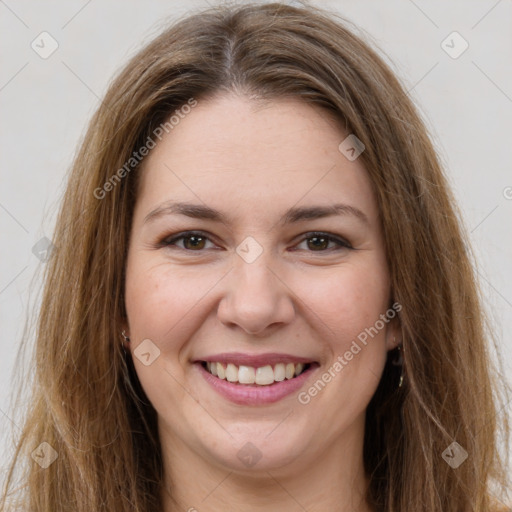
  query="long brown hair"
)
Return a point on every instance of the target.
[{"x": 86, "y": 401}]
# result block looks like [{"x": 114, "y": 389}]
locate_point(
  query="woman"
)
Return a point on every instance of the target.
[{"x": 261, "y": 294}]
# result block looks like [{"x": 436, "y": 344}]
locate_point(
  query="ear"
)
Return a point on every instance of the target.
[
  {"x": 123, "y": 327},
  {"x": 393, "y": 334}
]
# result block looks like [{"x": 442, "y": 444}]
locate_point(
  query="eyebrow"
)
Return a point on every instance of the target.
[{"x": 293, "y": 215}]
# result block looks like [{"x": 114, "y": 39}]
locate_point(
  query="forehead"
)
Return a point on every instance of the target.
[{"x": 248, "y": 157}]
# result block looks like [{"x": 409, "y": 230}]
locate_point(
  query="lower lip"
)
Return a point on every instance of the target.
[{"x": 244, "y": 394}]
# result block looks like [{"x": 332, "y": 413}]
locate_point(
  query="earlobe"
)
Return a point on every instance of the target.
[
  {"x": 125, "y": 342},
  {"x": 393, "y": 337},
  {"x": 123, "y": 329},
  {"x": 393, "y": 342}
]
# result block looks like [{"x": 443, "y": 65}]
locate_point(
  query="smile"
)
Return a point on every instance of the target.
[
  {"x": 255, "y": 380},
  {"x": 261, "y": 376}
]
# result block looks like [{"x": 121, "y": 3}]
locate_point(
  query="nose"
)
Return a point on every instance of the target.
[{"x": 257, "y": 297}]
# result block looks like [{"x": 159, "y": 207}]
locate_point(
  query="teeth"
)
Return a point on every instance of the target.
[
  {"x": 290, "y": 370},
  {"x": 262, "y": 376},
  {"x": 265, "y": 375},
  {"x": 232, "y": 373},
  {"x": 246, "y": 375},
  {"x": 298, "y": 369},
  {"x": 279, "y": 372}
]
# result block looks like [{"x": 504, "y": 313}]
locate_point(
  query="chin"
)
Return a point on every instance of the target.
[{"x": 258, "y": 449}]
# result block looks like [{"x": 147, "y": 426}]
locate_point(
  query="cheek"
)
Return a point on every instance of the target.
[
  {"x": 163, "y": 300},
  {"x": 346, "y": 303},
  {"x": 163, "y": 305},
  {"x": 346, "y": 300}
]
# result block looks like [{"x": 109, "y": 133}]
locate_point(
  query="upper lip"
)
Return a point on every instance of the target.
[{"x": 254, "y": 360}]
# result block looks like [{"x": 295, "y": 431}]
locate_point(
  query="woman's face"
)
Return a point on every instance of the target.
[{"x": 258, "y": 289}]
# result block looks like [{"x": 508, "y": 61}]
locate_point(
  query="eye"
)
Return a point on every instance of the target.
[
  {"x": 318, "y": 242},
  {"x": 192, "y": 240},
  {"x": 196, "y": 241}
]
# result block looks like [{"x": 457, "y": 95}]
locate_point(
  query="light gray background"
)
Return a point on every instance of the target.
[{"x": 46, "y": 103}]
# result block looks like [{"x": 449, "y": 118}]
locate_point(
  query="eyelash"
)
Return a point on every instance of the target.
[{"x": 169, "y": 242}]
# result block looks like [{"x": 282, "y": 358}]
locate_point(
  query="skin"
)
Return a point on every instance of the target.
[{"x": 253, "y": 161}]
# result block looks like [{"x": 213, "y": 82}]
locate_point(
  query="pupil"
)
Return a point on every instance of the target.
[
  {"x": 323, "y": 239},
  {"x": 194, "y": 240}
]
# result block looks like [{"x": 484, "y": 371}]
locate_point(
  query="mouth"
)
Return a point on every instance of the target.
[
  {"x": 266, "y": 380},
  {"x": 255, "y": 376}
]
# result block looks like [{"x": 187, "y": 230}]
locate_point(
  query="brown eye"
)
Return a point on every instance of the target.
[
  {"x": 196, "y": 242},
  {"x": 193, "y": 241},
  {"x": 319, "y": 242}
]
